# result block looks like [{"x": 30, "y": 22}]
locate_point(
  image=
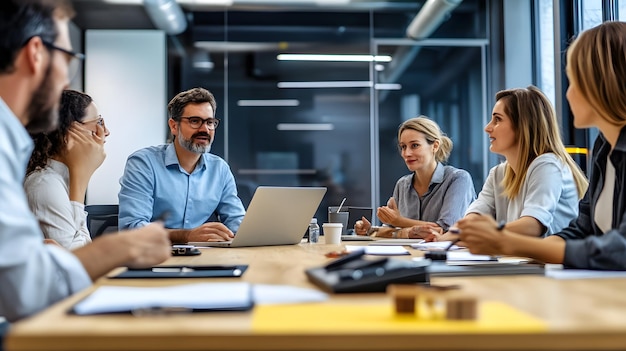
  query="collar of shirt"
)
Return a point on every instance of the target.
[{"x": 172, "y": 159}]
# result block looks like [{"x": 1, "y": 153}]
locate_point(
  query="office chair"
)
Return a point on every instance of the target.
[
  {"x": 4, "y": 328},
  {"x": 101, "y": 219}
]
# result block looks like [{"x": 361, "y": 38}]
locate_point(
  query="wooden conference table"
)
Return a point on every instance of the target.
[{"x": 578, "y": 314}]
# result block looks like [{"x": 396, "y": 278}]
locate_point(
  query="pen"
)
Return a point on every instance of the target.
[
  {"x": 172, "y": 269},
  {"x": 500, "y": 226}
]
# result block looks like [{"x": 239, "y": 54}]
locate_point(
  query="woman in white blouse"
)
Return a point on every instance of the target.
[{"x": 60, "y": 167}]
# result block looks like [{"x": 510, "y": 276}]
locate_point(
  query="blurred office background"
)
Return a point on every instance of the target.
[{"x": 304, "y": 121}]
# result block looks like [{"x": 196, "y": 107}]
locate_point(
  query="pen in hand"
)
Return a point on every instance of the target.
[{"x": 500, "y": 226}]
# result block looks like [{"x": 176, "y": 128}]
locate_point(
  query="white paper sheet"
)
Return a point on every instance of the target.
[
  {"x": 381, "y": 250},
  {"x": 435, "y": 245},
  {"x": 467, "y": 256},
  {"x": 109, "y": 299},
  {"x": 283, "y": 294},
  {"x": 557, "y": 272}
]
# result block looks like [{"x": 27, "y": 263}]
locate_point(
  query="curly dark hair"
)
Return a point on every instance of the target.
[{"x": 49, "y": 144}]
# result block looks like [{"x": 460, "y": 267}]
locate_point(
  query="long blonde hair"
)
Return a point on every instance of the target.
[
  {"x": 537, "y": 130},
  {"x": 596, "y": 65}
]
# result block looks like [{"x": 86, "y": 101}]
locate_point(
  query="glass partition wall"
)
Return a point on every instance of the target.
[
  {"x": 444, "y": 80},
  {"x": 332, "y": 120}
]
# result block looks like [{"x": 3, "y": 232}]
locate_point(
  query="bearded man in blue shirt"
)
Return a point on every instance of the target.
[{"x": 182, "y": 178}]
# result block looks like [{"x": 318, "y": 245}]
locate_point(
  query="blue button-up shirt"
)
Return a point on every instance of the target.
[{"x": 154, "y": 182}]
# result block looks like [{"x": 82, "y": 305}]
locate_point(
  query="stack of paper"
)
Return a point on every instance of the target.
[
  {"x": 381, "y": 250},
  {"x": 435, "y": 245},
  {"x": 203, "y": 296}
]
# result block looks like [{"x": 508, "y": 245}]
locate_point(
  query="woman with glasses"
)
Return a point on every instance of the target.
[
  {"x": 596, "y": 238},
  {"x": 433, "y": 196},
  {"x": 60, "y": 167}
]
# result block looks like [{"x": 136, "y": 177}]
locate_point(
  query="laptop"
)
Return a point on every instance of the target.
[{"x": 275, "y": 216}]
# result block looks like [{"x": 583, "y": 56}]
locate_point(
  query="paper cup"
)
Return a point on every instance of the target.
[{"x": 332, "y": 233}]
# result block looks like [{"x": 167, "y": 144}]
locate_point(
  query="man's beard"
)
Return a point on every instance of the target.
[
  {"x": 43, "y": 109},
  {"x": 189, "y": 145}
]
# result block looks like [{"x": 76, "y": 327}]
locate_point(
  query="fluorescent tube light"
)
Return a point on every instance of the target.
[
  {"x": 305, "y": 126},
  {"x": 331, "y": 84},
  {"x": 337, "y": 58},
  {"x": 387, "y": 86},
  {"x": 280, "y": 102}
]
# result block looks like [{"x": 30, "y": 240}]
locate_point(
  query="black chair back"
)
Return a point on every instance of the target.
[{"x": 101, "y": 219}]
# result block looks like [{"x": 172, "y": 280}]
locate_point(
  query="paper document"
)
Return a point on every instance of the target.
[
  {"x": 382, "y": 250},
  {"x": 434, "y": 245},
  {"x": 203, "y": 296},
  {"x": 395, "y": 242},
  {"x": 558, "y": 272},
  {"x": 467, "y": 256},
  {"x": 282, "y": 294}
]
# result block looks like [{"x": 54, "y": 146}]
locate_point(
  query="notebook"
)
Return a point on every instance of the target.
[{"x": 275, "y": 216}]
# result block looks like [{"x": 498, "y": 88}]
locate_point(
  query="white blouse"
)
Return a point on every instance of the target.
[{"x": 48, "y": 197}]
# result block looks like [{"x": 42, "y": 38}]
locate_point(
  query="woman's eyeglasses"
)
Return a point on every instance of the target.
[{"x": 99, "y": 121}]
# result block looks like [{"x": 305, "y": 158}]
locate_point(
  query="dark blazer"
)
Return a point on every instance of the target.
[{"x": 586, "y": 245}]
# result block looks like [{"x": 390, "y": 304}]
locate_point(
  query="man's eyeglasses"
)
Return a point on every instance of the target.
[
  {"x": 70, "y": 53},
  {"x": 197, "y": 122},
  {"x": 74, "y": 61}
]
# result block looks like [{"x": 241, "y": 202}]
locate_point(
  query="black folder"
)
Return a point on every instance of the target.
[
  {"x": 186, "y": 271},
  {"x": 354, "y": 274}
]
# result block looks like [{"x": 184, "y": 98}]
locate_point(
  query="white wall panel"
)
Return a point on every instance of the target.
[{"x": 126, "y": 74}]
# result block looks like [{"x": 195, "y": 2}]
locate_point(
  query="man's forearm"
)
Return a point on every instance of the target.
[{"x": 104, "y": 254}]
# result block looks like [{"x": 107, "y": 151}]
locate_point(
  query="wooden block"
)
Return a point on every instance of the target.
[
  {"x": 403, "y": 298},
  {"x": 407, "y": 299},
  {"x": 461, "y": 308}
]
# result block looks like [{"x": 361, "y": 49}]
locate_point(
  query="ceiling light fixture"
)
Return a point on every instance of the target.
[
  {"x": 268, "y": 103},
  {"x": 331, "y": 84},
  {"x": 304, "y": 126},
  {"x": 339, "y": 84},
  {"x": 335, "y": 58},
  {"x": 202, "y": 61},
  {"x": 387, "y": 86}
]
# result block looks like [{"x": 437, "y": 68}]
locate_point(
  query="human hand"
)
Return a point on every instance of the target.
[
  {"x": 211, "y": 231},
  {"x": 428, "y": 232},
  {"x": 385, "y": 232},
  {"x": 362, "y": 226},
  {"x": 480, "y": 234},
  {"x": 85, "y": 151},
  {"x": 389, "y": 214},
  {"x": 148, "y": 246}
]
